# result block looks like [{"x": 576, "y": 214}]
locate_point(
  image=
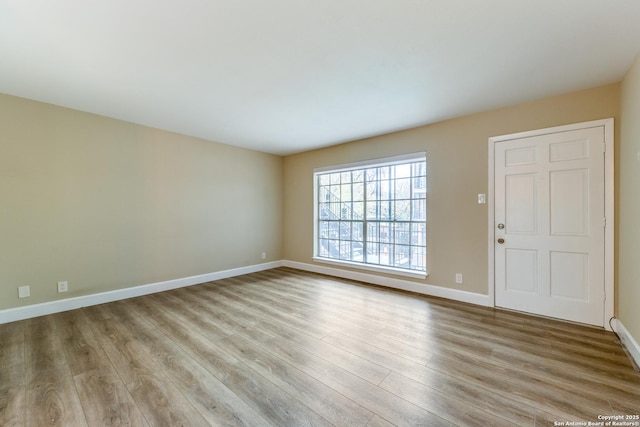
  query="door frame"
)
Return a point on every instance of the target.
[{"x": 609, "y": 201}]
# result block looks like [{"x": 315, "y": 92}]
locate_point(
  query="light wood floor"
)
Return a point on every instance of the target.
[{"x": 289, "y": 348}]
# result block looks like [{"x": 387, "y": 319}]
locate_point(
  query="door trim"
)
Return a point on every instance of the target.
[{"x": 608, "y": 125}]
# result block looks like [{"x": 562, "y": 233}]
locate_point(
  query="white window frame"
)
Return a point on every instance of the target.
[{"x": 388, "y": 161}]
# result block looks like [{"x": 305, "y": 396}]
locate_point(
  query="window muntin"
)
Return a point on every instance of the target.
[{"x": 373, "y": 214}]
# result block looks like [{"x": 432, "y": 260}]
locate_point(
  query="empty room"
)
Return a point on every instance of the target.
[{"x": 294, "y": 213}]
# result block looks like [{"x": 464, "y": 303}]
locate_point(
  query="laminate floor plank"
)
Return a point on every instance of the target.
[
  {"x": 219, "y": 361},
  {"x": 103, "y": 395},
  {"x": 161, "y": 404},
  {"x": 435, "y": 342},
  {"x": 611, "y": 378},
  {"x": 561, "y": 400},
  {"x": 627, "y": 372},
  {"x": 313, "y": 393},
  {"x": 339, "y": 410},
  {"x": 156, "y": 396},
  {"x": 13, "y": 411},
  {"x": 332, "y": 319},
  {"x": 271, "y": 328},
  {"x": 360, "y": 311},
  {"x": 12, "y": 358},
  {"x": 545, "y": 419},
  {"x": 535, "y": 324},
  {"x": 626, "y": 407},
  {"x": 364, "y": 328},
  {"x": 270, "y": 401},
  {"x": 312, "y": 326},
  {"x": 12, "y": 374},
  {"x": 431, "y": 396},
  {"x": 51, "y": 397},
  {"x": 345, "y": 313},
  {"x": 417, "y": 352},
  {"x": 374, "y": 354},
  {"x": 217, "y": 404},
  {"x": 385, "y": 404},
  {"x": 216, "y": 321},
  {"x": 392, "y": 305},
  {"x": 459, "y": 412},
  {"x": 121, "y": 347},
  {"x": 335, "y": 294},
  {"x": 285, "y": 347},
  {"x": 560, "y": 353},
  {"x": 106, "y": 400},
  {"x": 517, "y": 333},
  {"x": 82, "y": 350},
  {"x": 377, "y": 421},
  {"x": 484, "y": 398},
  {"x": 466, "y": 344}
]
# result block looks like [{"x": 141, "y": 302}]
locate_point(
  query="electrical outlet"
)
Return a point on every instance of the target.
[
  {"x": 24, "y": 292},
  {"x": 459, "y": 278},
  {"x": 63, "y": 286},
  {"x": 264, "y": 255},
  {"x": 482, "y": 199}
]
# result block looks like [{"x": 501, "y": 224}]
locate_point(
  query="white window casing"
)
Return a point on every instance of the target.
[{"x": 372, "y": 215}]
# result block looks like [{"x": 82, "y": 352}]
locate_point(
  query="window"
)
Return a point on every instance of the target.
[{"x": 373, "y": 214}]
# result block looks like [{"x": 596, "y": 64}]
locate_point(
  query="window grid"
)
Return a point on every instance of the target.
[{"x": 374, "y": 215}]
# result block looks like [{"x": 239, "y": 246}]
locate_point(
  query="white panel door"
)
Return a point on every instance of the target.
[{"x": 549, "y": 218}]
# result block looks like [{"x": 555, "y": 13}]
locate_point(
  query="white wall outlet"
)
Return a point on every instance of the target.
[
  {"x": 63, "y": 286},
  {"x": 264, "y": 255},
  {"x": 482, "y": 199},
  {"x": 24, "y": 291},
  {"x": 459, "y": 278}
]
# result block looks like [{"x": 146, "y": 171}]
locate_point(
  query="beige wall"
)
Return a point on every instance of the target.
[
  {"x": 457, "y": 171},
  {"x": 629, "y": 206},
  {"x": 107, "y": 204}
]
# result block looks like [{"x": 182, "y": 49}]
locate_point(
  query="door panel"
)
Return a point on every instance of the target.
[
  {"x": 522, "y": 270},
  {"x": 569, "y": 150},
  {"x": 521, "y": 203},
  {"x": 570, "y": 275},
  {"x": 569, "y": 204},
  {"x": 549, "y": 195},
  {"x": 521, "y": 156}
]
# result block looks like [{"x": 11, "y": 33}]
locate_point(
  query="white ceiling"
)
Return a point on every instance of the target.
[{"x": 284, "y": 76}]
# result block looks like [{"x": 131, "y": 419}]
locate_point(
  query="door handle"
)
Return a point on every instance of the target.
[{"x": 501, "y": 240}]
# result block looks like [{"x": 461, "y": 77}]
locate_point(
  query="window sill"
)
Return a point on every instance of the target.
[{"x": 378, "y": 269}]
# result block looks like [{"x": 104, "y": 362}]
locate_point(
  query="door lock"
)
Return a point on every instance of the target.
[{"x": 501, "y": 226}]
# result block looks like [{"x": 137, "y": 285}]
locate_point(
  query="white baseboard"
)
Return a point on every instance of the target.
[
  {"x": 628, "y": 341},
  {"x": 35, "y": 310},
  {"x": 406, "y": 285}
]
